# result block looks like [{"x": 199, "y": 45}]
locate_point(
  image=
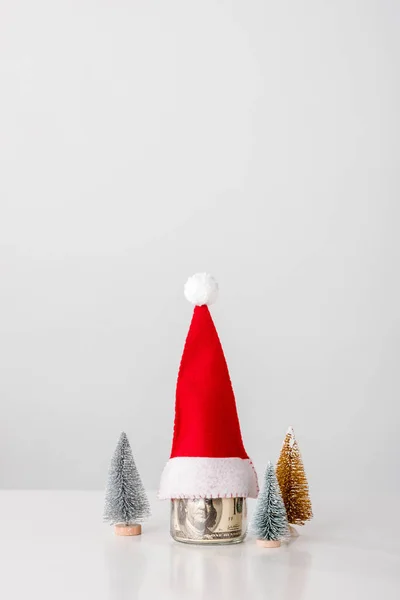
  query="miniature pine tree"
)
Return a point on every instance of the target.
[
  {"x": 269, "y": 521},
  {"x": 126, "y": 503},
  {"x": 293, "y": 482}
]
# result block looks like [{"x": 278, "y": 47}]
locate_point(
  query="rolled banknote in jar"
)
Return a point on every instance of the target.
[{"x": 209, "y": 520}]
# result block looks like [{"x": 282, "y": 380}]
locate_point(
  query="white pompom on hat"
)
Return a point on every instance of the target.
[{"x": 201, "y": 289}]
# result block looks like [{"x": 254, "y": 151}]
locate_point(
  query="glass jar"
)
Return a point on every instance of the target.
[{"x": 209, "y": 520}]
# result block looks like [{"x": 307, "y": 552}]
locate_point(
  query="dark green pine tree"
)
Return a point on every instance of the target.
[
  {"x": 269, "y": 522},
  {"x": 126, "y": 500}
]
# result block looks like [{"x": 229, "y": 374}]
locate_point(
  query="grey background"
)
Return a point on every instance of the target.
[{"x": 144, "y": 141}]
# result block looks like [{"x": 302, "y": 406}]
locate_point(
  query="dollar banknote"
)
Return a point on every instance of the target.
[{"x": 208, "y": 520}]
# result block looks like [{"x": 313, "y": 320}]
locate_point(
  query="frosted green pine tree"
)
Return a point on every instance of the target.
[
  {"x": 126, "y": 499},
  {"x": 269, "y": 520}
]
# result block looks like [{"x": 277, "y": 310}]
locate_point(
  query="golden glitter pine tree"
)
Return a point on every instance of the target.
[{"x": 293, "y": 482}]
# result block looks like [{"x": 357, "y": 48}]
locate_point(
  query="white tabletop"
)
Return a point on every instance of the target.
[{"x": 53, "y": 545}]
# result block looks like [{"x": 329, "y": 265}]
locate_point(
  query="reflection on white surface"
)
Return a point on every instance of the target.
[
  {"x": 53, "y": 545},
  {"x": 210, "y": 572},
  {"x": 126, "y": 568},
  {"x": 297, "y": 573}
]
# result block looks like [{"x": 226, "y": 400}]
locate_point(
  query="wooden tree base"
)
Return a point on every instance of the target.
[
  {"x": 268, "y": 543},
  {"x": 128, "y": 530},
  {"x": 293, "y": 531}
]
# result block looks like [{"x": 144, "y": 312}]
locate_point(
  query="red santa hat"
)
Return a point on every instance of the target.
[{"x": 208, "y": 458}]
